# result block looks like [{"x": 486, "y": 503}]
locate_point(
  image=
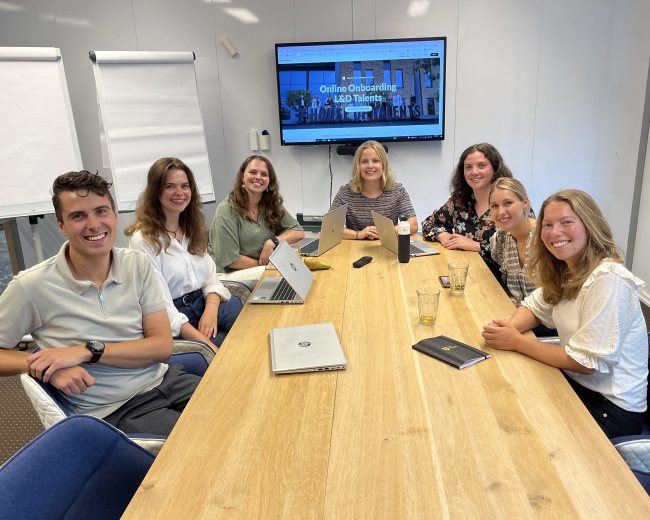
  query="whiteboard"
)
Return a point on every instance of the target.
[
  {"x": 37, "y": 133},
  {"x": 149, "y": 108}
]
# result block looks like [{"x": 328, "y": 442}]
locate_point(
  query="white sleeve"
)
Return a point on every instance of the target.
[
  {"x": 212, "y": 283},
  {"x": 536, "y": 304},
  {"x": 176, "y": 319},
  {"x": 597, "y": 342}
]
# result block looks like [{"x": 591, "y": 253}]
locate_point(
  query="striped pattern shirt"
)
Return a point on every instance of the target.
[
  {"x": 513, "y": 275},
  {"x": 391, "y": 203}
]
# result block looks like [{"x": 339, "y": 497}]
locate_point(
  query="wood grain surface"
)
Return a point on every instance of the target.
[{"x": 396, "y": 435}]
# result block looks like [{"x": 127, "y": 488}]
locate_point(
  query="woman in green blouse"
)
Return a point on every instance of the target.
[{"x": 251, "y": 220}]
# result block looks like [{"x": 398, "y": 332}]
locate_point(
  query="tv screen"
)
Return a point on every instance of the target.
[{"x": 347, "y": 92}]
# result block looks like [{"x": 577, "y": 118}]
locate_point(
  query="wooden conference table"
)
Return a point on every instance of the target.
[{"x": 396, "y": 435}]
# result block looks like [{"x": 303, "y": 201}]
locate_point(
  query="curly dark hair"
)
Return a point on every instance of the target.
[
  {"x": 270, "y": 206},
  {"x": 460, "y": 191},
  {"x": 79, "y": 181},
  {"x": 150, "y": 217}
]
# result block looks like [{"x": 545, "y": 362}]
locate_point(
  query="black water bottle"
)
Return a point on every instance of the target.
[{"x": 403, "y": 239}]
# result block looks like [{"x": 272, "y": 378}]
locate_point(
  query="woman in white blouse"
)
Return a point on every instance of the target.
[
  {"x": 591, "y": 299},
  {"x": 170, "y": 230}
]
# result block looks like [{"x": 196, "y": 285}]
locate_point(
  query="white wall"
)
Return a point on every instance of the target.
[
  {"x": 641, "y": 264},
  {"x": 557, "y": 85}
]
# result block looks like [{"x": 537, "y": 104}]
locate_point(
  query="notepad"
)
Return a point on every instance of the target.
[{"x": 451, "y": 351}]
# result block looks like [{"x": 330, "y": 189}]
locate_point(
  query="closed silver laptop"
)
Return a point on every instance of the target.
[
  {"x": 388, "y": 237},
  {"x": 331, "y": 234},
  {"x": 306, "y": 348},
  {"x": 294, "y": 284}
]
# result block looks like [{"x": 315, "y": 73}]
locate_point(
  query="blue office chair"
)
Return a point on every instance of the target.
[
  {"x": 194, "y": 356},
  {"x": 82, "y": 467}
]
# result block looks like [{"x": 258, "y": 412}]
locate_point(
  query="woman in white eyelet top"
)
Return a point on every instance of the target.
[{"x": 591, "y": 299}]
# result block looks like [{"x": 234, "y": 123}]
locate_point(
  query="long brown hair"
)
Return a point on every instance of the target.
[
  {"x": 553, "y": 275},
  {"x": 460, "y": 190},
  {"x": 270, "y": 206},
  {"x": 150, "y": 217}
]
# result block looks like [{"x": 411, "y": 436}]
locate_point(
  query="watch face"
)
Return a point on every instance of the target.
[{"x": 95, "y": 346}]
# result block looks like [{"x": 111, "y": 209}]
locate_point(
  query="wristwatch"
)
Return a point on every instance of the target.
[
  {"x": 96, "y": 349},
  {"x": 275, "y": 241}
]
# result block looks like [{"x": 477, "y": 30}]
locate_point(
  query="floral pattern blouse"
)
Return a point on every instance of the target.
[{"x": 455, "y": 217}]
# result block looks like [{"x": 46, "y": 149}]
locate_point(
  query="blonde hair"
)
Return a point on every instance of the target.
[
  {"x": 510, "y": 184},
  {"x": 553, "y": 275},
  {"x": 387, "y": 180}
]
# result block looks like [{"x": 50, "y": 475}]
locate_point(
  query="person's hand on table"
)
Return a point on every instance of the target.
[
  {"x": 502, "y": 335},
  {"x": 369, "y": 233},
  {"x": 462, "y": 242}
]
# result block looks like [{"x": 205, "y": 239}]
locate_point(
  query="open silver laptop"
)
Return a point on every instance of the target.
[
  {"x": 294, "y": 284},
  {"x": 388, "y": 237},
  {"x": 307, "y": 348},
  {"x": 331, "y": 234}
]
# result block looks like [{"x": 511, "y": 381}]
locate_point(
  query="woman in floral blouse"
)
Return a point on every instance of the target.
[{"x": 464, "y": 221}]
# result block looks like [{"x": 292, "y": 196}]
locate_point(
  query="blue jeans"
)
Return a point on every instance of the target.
[{"x": 226, "y": 316}]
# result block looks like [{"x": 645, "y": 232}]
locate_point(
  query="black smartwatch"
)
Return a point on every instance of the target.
[
  {"x": 96, "y": 349},
  {"x": 275, "y": 241}
]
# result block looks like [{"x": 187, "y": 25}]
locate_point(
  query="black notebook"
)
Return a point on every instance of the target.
[{"x": 451, "y": 351}]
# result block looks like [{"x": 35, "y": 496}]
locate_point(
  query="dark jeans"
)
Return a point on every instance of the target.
[
  {"x": 195, "y": 305},
  {"x": 157, "y": 410},
  {"x": 612, "y": 419},
  {"x": 542, "y": 331}
]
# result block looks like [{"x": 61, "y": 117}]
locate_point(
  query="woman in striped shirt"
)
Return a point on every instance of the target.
[{"x": 372, "y": 187}]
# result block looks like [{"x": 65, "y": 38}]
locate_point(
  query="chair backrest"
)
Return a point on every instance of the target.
[
  {"x": 635, "y": 450},
  {"x": 82, "y": 467}
]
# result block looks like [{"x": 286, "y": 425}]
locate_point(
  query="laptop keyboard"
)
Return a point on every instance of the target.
[
  {"x": 283, "y": 291},
  {"x": 415, "y": 249},
  {"x": 312, "y": 247}
]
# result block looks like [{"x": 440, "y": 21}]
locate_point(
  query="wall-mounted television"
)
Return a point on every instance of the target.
[{"x": 346, "y": 92}]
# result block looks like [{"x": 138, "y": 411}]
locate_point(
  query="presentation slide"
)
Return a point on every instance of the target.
[{"x": 350, "y": 92}]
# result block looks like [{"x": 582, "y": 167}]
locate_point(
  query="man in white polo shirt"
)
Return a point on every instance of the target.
[{"x": 99, "y": 318}]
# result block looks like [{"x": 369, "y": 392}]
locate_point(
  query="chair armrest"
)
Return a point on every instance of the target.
[
  {"x": 239, "y": 288},
  {"x": 49, "y": 410},
  {"x": 190, "y": 345}
]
